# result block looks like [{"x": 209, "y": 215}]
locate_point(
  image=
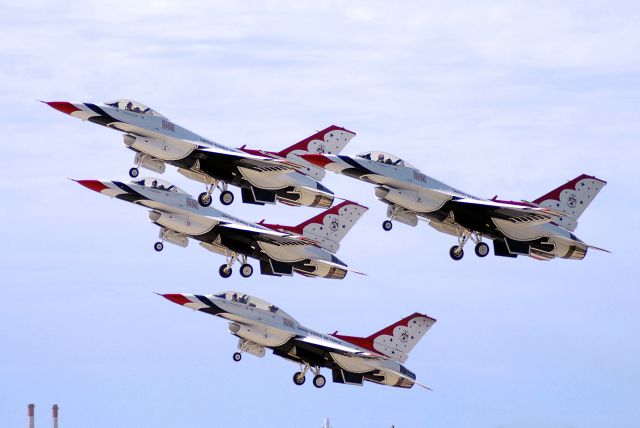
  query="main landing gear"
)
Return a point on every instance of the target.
[
  {"x": 226, "y": 197},
  {"x": 246, "y": 270},
  {"x": 481, "y": 249},
  {"x": 387, "y": 225},
  {"x": 318, "y": 380}
]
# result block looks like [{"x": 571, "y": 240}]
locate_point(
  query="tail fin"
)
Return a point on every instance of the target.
[
  {"x": 396, "y": 340},
  {"x": 330, "y": 140},
  {"x": 329, "y": 227},
  {"x": 572, "y": 198}
]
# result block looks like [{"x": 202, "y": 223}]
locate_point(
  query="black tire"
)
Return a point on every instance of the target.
[
  {"x": 224, "y": 272},
  {"x": 133, "y": 172},
  {"x": 204, "y": 199},
  {"x": 226, "y": 198},
  {"x": 237, "y": 356},
  {"x": 482, "y": 249},
  {"x": 387, "y": 225},
  {"x": 456, "y": 253},
  {"x": 319, "y": 381},
  {"x": 246, "y": 270},
  {"x": 158, "y": 246},
  {"x": 299, "y": 378}
]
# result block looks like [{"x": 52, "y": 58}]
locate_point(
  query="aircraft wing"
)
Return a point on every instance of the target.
[
  {"x": 269, "y": 235},
  {"x": 263, "y": 164},
  {"x": 516, "y": 213},
  {"x": 335, "y": 347}
]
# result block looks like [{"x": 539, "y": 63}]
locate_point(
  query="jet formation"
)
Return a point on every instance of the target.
[{"x": 542, "y": 229}]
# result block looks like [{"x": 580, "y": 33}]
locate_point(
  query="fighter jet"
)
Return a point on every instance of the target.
[
  {"x": 263, "y": 176},
  {"x": 307, "y": 248},
  {"x": 376, "y": 358},
  {"x": 542, "y": 229}
]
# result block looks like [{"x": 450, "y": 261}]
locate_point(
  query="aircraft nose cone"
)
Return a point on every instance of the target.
[
  {"x": 180, "y": 299},
  {"x": 63, "y": 106},
  {"x": 94, "y": 185},
  {"x": 317, "y": 159}
]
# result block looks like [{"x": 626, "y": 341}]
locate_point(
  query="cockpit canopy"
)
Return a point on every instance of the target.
[
  {"x": 384, "y": 157},
  {"x": 237, "y": 296},
  {"x": 134, "y": 107},
  {"x": 157, "y": 183}
]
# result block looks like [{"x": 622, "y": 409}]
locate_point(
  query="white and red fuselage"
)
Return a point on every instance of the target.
[
  {"x": 280, "y": 251},
  {"x": 542, "y": 229},
  {"x": 264, "y": 176},
  {"x": 259, "y": 325}
]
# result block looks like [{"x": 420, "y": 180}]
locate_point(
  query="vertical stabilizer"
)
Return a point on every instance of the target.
[
  {"x": 396, "y": 340},
  {"x": 329, "y": 227},
  {"x": 330, "y": 140},
  {"x": 572, "y": 198}
]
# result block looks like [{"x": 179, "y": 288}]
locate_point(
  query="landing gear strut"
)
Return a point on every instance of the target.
[
  {"x": 299, "y": 378},
  {"x": 481, "y": 249},
  {"x": 225, "y": 271},
  {"x": 226, "y": 197},
  {"x": 246, "y": 270},
  {"x": 318, "y": 380}
]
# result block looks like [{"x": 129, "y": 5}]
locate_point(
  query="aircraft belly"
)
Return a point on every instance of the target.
[
  {"x": 168, "y": 149},
  {"x": 351, "y": 364},
  {"x": 269, "y": 181},
  {"x": 183, "y": 224},
  {"x": 283, "y": 253},
  {"x": 412, "y": 200},
  {"x": 518, "y": 232}
]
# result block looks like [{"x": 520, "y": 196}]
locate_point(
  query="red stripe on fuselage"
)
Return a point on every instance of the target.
[
  {"x": 63, "y": 106},
  {"x": 316, "y": 159},
  {"x": 95, "y": 185},
  {"x": 177, "y": 298}
]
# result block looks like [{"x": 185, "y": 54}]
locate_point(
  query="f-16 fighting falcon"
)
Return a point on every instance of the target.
[
  {"x": 307, "y": 248},
  {"x": 263, "y": 176},
  {"x": 258, "y": 324},
  {"x": 542, "y": 229}
]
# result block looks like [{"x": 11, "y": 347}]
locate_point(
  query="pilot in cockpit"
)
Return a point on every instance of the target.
[{"x": 381, "y": 158}]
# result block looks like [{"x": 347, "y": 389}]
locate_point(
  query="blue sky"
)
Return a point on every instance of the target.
[{"x": 507, "y": 98}]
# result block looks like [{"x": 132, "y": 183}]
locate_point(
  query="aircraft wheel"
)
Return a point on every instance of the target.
[
  {"x": 226, "y": 197},
  {"x": 456, "y": 252},
  {"x": 158, "y": 246},
  {"x": 387, "y": 225},
  {"x": 298, "y": 378},
  {"x": 224, "y": 271},
  {"x": 237, "y": 356},
  {"x": 133, "y": 172},
  {"x": 482, "y": 249},
  {"x": 319, "y": 381},
  {"x": 204, "y": 199},
  {"x": 246, "y": 270}
]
